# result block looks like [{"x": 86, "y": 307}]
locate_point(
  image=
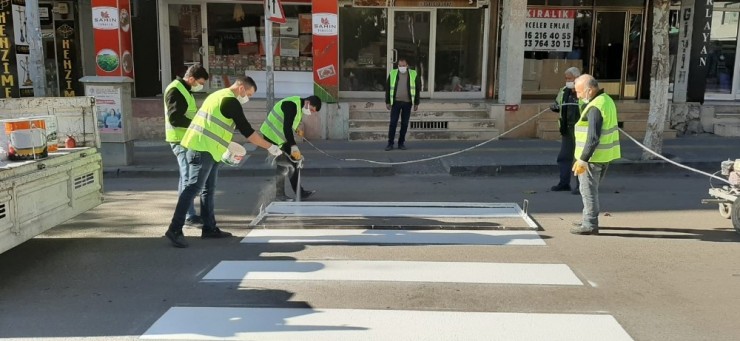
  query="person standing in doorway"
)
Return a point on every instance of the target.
[
  {"x": 597, "y": 144},
  {"x": 206, "y": 140},
  {"x": 567, "y": 104},
  {"x": 179, "y": 110},
  {"x": 401, "y": 93}
]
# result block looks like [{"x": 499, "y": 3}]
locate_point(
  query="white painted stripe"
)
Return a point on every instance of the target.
[
  {"x": 360, "y": 236},
  {"x": 204, "y": 323},
  {"x": 395, "y": 271}
]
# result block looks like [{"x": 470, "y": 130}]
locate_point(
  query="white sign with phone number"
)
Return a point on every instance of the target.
[{"x": 549, "y": 30}]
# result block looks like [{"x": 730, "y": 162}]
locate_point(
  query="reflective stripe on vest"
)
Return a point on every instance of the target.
[
  {"x": 174, "y": 134},
  {"x": 272, "y": 128},
  {"x": 412, "y": 82},
  {"x": 608, "y": 149},
  {"x": 210, "y": 131}
]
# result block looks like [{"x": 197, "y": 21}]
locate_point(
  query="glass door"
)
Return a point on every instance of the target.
[
  {"x": 634, "y": 56},
  {"x": 608, "y": 60},
  {"x": 183, "y": 42},
  {"x": 412, "y": 40}
]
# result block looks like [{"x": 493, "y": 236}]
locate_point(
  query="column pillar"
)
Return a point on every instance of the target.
[{"x": 511, "y": 63}]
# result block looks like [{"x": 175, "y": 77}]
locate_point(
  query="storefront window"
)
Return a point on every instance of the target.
[
  {"x": 236, "y": 39},
  {"x": 186, "y": 39},
  {"x": 545, "y": 63},
  {"x": 459, "y": 52},
  {"x": 722, "y": 48},
  {"x": 363, "y": 53}
]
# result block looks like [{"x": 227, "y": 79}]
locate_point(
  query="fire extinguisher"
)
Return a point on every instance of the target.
[{"x": 70, "y": 143}]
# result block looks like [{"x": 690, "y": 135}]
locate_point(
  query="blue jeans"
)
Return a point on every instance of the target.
[
  {"x": 589, "y": 186},
  {"x": 402, "y": 109},
  {"x": 203, "y": 171},
  {"x": 182, "y": 161}
]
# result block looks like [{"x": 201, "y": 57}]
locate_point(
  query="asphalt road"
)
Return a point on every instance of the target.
[{"x": 665, "y": 266}]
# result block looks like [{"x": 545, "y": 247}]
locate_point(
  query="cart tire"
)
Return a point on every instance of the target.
[
  {"x": 725, "y": 210},
  {"x": 736, "y": 215}
]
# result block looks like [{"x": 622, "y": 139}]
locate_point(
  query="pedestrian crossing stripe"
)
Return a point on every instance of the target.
[
  {"x": 401, "y": 237},
  {"x": 307, "y": 324},
  {"x": 393, "y": 271}
]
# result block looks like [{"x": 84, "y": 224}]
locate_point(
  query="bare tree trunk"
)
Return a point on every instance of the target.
[{"x": 659, "y": 80}]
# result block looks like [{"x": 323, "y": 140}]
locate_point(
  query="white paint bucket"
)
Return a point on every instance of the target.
[{"x": 234, "y": 154}]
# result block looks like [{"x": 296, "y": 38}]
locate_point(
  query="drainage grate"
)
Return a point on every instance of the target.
[
  {"x": 2, "y": 211},
  {"x": 84, "y": 180},
  {"x": 429, "y": 125}
]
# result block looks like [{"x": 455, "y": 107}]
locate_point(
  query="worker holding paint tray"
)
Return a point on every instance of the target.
[
  {"x": 279, "y": 127},
  {"x": 208, "y": 140}
]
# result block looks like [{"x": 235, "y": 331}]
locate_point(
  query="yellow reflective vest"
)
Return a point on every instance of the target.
[
  {"x": 174, "y": 134},
  {"x": 272, "y": 128},
  {"x": 412, "y": 82},
  {"x": 210, "y": 130},
  {"x": 608, "y": 149}
]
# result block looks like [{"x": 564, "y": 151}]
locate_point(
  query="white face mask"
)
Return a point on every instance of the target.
[
  {"x": 306, "y": 111},
  {"x": 570, "y": 85},
  {"x": 403, "y": 69},
  {"x": 197, "y": 87},
  {"x": 585, "y": 98},
  {"x": 243, "y": 100}
]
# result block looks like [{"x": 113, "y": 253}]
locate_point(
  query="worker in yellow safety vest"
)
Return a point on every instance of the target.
[
  {"x": 401, "y": 93},
  {"x": 207, "y": 141},
  {"x": 281, "y": 123},
  {"x": 179, "y": 110},
  {"x": 597, "y": 144}
]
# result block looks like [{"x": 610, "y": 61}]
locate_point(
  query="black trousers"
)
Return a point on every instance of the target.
[
  {"x": 402, "y": 110},
  {"x": 566, "y": 158}
]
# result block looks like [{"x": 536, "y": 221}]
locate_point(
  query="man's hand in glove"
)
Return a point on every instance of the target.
[
  {"x": 299, "y": 132},
  {"x": 555, "y": 108},
  {"x": 295, "y": 153},
  {"x": 275, "y": 150},
  {"x": 580, "y": 167}
]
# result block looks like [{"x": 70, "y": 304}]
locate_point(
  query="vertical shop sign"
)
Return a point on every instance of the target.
[
  {"x": 549, "y": 30},
  {"x": 22, "y": 49},
  {"x": 8, "y": 67},
  {"x": 111, "y": 21},
  {"x": 66, "y": 45},
  {"x": 700, "y": 48},
  {"x": 681, "y": 78},
  {"x": 325, "y": 30}
]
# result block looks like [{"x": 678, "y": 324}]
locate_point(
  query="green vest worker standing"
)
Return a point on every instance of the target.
[
  {"x": 282, "y": 121},
  {"x": 597, "y": 144},
  {"x": 567, "y": 104},
  {"x": 206, "y": 140},
  {"x": 179, "y": 110},
  {"x": 401, "y": 93}
]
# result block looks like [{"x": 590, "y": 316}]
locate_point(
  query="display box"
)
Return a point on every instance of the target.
[
  {"x": 290, "y": 28},
  {"x": 248, "y": 48},
  {"x": 305, "y": 44},
  {"x": 289, "y": 47},
  {"x": 305, "y": 22}
]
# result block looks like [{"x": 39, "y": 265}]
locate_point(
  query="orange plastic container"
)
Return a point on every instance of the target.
[{"x": 26, "y": 139}]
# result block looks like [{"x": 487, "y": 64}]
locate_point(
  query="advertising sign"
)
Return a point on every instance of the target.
[
  {"x": 15, "y": 74},
  {"x": 108, "y": 103},
  {"x": 549, "y": 30},
  {"x": 325, "y": 29},
  {"x": 66, "y": 45},
  {"x": 417, "y": 3},
  {"x": 111, "y": 21}
]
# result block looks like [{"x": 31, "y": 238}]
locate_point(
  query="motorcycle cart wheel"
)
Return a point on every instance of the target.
[
  {"x": 736, "y": 215},
  {"x": 725, "y": 210}
]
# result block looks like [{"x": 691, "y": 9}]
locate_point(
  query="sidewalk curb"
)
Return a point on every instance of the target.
[
  {"x": 147, "y": 172},
  {"x": 635, "y": 167}
]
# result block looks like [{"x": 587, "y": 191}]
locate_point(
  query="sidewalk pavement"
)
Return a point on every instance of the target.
[{"x": 515, "y": 156}]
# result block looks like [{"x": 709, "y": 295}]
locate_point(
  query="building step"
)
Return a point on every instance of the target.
[
  {"x": 554, "y": 135},
  {"x": 416, "y": 135},
  {"x": 727, "y": 129},
  {"x": 425, "y": 105},
  {"x": 457, "y": 124},
  {"x": 420, "y": 115}
]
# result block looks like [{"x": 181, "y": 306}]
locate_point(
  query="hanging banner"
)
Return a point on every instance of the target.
[
  {"x": 325, "y": 32},
  {"x": 66, "y": 45},
  {"x": 9, "y": 66},
  {"x": 111, "y": 21},
  {"x": 549, "y": 30},
  {"x": 417, "y": 3}
]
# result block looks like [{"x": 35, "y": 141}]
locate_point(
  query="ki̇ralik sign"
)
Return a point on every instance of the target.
[{"x": 549, "y": 30}]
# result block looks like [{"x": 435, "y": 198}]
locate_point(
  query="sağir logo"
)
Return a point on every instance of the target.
[
  {"x": 325, "y": 24},
  {"x": 105, "y": 18}
]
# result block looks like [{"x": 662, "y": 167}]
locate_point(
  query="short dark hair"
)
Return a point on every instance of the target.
[
  {"x": 246, "y": 81},
  {"x": 314, "y": 101},
  {"x": 196, "y": 71}
]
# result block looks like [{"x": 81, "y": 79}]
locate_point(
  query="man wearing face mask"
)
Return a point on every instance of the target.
[
  {"x": 282, "y": 121},
  {"x": 597, "y": 144},
  {"x": 179, "y": 110},
  {"x": 401, "y": 93},
  {"x": 566, "y": 103},
  {"x": 207, "y": 140}
]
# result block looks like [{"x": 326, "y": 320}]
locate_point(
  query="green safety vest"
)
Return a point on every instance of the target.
[
  {"x": 210, "y": 131},
  {"x": 174, "y": 134},
  {"x": 272, "y": 128},
  {"x": 608, "y": 149},
  {"x": 412, "y": 81}
]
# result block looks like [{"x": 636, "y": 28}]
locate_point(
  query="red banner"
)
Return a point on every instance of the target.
[
  {"x": 111, "y": 21},
  {"x": 325, "y": 31}
]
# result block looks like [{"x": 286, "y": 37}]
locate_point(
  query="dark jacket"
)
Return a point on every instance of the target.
[
  {"x": 388, "y": 88},
  {"x": 569, "y": 114}
]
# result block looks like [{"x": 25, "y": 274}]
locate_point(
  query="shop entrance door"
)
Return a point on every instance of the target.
[
  {"x": 616, "y": 61},
  {"x": 186, "y": 35},
  {"x": 412, "y": 40}
]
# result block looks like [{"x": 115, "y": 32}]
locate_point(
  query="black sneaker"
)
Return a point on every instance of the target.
[
  {"x": 560, "y": 188},
  {"x": 214, "y": 233},
  {"x": 306, "y": 194},
  {"x": 176, "y": 238},
  {"x": 194, "y": 221},
  {"x": 388, "y": 147},
  {"x": 402, "y": 147}
]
